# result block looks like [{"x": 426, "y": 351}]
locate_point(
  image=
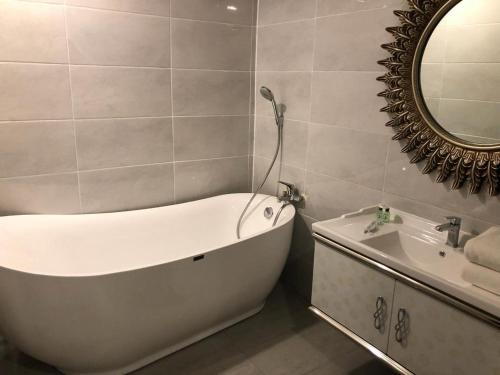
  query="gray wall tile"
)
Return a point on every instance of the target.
[
  {"x": 276, "y": 11},
  {"x": 34, "y": 92},
  {"x": 294, "y": 148},
  {"x": 123, "y": 142},
  {"x": 240, "y": 12},
  {"x": 352, "y": 41},
  {"x": 154, "y": 7},
  {"x": 329, "y": 7},
  {"x": 46, "y": 1},
  {"x": 347, "y": 99},
  {"x": 127, "y": 188},
  {"x": 112, "y": 38},
  {"x": 286, "y": 46},
  {"x": 342, "y": 153},
  {"x": 31, "y": 148},
  {"x": 50, "y": 194},
  {"x": 330, "y": 197},
  {"x": 210, "y": 137},
  {"x": 207, "y": 45},
  {"x": 103, "y": 92},
  {"x": 41, "y": 27},
  {"x": 210, "y": 93},
  {"x": 204, "y": 178}
]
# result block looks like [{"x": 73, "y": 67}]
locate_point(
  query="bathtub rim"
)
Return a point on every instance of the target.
[{"x": 279, "y": 225}]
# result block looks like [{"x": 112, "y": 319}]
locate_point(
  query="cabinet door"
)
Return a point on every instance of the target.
[
  {"x": 355, "y": 295},
  {"x": 438, "y": 339}
]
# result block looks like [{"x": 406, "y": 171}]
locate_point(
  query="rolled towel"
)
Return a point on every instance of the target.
[
  {"x": 482, "y": 277},
  {"x": 485, "y": 249}
]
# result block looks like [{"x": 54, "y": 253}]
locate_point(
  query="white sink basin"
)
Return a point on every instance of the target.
[
  {"x": 423, "y": 253},
  {"x": 411, "y": 246}
]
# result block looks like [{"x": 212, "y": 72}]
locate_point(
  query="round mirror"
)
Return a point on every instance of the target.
[{"x": 460, "y": 72}]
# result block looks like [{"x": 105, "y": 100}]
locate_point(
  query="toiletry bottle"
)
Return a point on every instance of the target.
[
  {"x": 380, "y": 215},
  {"x": 387, "y": 215}
]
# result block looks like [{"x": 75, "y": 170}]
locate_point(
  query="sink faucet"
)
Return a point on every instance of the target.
[
  {"x": 453, "y": 228},
  {"x": 291, "y": 194}
]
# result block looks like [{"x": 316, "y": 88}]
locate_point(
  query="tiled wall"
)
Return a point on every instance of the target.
[
  {"x": 319, "y": 57},
  {"x": 460, "y": 54},
  {"x": 112, "y": 105}
]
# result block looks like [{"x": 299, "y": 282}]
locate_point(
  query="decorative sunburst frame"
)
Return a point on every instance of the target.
[{"x": 464, "y": 161}]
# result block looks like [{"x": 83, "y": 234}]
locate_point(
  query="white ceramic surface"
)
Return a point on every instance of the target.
[
  {"x": 411, "y": 246},
  {"x": 109, "y": 293}
]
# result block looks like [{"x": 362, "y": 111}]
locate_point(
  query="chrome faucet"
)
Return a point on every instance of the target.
[
  {"x": 453, "y": 228},
  {"x": 291, "y": 194}
]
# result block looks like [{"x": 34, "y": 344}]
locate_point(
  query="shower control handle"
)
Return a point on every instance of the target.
[{"x": 291, "y": 194}]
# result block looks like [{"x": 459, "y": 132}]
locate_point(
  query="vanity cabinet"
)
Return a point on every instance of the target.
[
  {"x": 413, "y": 329},
  {"x": 356, "y": 296},
  {"x": 430, "y": 337}
]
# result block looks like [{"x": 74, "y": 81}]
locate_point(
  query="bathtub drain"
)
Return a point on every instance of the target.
[{"x": 268, "y": 212}]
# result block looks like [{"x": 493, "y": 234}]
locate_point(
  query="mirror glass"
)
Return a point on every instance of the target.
[{"x": 460, "y": 72}]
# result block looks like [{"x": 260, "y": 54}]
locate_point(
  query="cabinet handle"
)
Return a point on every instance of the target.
[
  {"x": 402, "y": 325},
  {"x": 378, "y": 316}
]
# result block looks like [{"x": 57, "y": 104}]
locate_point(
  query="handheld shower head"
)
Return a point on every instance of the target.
[{"x": 268, "y": 95}]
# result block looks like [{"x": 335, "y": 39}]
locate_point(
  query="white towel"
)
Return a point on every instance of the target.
[
  {"x": 485, "y": 249},
  {"x": 482, "y": 277}
]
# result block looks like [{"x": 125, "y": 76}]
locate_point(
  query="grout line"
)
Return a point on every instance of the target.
[
  {"x": 421, "y": 203},
  {"x": 385, "y": 7},
  {"x": 212, "y": 22},
  {"x": 357, "y": 130},
  {"x": 138, "y": 13},
  {"x": 39, "y": 175},
  {"x": 210, "y": 159},
  {"x": 243, "y": 156},
  {"x": 255, "y": 90},
  {"x": 464, "y": 100},
  {"x": 172, "y": 99},
  {"x": 325, "y": 175},
  {"x": 251, "y": 104},
  {"x": 118, "y": 118},
  {"x": 311, "y": 98},
  {"x": 330, "y": 125},
  {"x": 386, "y": 164},
  {"x": 316, "y": 16},
  {"x": 196, "y": 69},
  {"x": 287, "y": 22},
  {"x": 106, "y": 66},
  {"x": 72, "y": 107},
  {"x": 322, "y": 71}
]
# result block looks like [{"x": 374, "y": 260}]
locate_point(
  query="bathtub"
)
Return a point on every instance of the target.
[{"x": 110, "y": 293}]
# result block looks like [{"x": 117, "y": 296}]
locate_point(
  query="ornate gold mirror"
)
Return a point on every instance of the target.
[{"x": 443, "y": 89}]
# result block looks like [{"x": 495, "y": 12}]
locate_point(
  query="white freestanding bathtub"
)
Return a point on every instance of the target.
[{"x": 110, "y": 293}]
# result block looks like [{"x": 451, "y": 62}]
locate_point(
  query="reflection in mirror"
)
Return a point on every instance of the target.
[{"x": 460, "y": 72}]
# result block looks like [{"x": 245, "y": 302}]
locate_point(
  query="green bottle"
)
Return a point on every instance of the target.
[
  {"x": 387, "y": 215},
  {"x": 380, "y": 215}
]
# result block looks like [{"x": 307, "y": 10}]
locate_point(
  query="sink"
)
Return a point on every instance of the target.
[{"x": 422, "y": 252}]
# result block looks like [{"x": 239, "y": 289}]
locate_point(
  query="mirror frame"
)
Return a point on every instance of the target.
[{"x": 451, "y": 156}]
